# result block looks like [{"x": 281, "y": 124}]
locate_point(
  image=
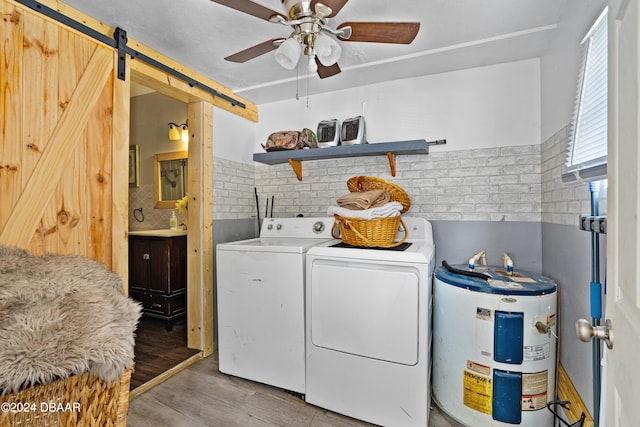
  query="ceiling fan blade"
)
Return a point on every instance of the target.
[
  {"x": 249, "y": 7},
  {"x": 381, "y": 32},
  {"x": 254, "y": 51},
  {"x": 335, "y": 5},
  {"x": 324, "y": 71}
]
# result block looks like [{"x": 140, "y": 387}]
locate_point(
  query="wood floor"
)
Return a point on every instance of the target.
[
  {"x": 202, "y": 396},
  {"x": 158, "y": 350}
]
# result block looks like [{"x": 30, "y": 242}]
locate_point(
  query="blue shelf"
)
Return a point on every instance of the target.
[
  {"x": 389, "y": 149},
  {"x": 418, "y": 146}
]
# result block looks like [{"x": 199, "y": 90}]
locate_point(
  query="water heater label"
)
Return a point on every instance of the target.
[
  {"x": 536, "y": 352},
  {"x": 477, "y": 392},
  {"x": 534, "y": 391},
  {"x": 476, "y": 367}
]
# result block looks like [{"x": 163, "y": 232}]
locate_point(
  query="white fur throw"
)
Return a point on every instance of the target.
[{"x": 61, "y": 315}]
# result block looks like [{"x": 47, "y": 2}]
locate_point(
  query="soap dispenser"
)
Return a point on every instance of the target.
[{"x": 173, "y": 221}]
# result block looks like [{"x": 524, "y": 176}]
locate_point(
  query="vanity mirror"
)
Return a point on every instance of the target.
[{"x": 169, "y": 178}]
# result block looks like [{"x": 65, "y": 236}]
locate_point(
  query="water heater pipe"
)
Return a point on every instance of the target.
[
  {"x": 507, "y": 262},
  {"x": 477, "y": 257}
]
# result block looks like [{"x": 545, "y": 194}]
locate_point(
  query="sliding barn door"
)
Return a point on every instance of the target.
[{"x": 63, "y": 141}]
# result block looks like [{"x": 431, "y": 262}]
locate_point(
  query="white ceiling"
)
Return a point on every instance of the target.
[{"x": 454, "y": 34}]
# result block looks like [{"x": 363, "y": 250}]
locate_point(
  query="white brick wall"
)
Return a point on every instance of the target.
[
  {"x": 233, "y": 189},
  {"x": 561, "y": 203},
  {"x": 497, "y": 184},
  {"x": 518, "y": 183},
  {"x": 233, "y": 197}
]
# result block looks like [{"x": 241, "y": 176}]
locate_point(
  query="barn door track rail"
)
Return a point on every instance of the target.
[{"x": 119, "y": 42}]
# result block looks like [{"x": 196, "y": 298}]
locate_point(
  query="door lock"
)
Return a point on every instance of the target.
[{"x": 586, "y": 332}]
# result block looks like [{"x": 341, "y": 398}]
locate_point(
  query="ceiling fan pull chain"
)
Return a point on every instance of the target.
[
  {"x": 297, "y": 83},
  {"x": 308, "y": 79}
]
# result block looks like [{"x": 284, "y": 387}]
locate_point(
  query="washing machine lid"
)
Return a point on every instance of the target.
[
  {"x": 520, "y": 283},
  {"x": 293, "y": 245}
]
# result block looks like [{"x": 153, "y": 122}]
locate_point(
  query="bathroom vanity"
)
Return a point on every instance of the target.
[{"x": 158, "y": 272}]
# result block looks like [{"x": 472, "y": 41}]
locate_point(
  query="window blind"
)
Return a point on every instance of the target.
[{"x": 587, "y": 151}]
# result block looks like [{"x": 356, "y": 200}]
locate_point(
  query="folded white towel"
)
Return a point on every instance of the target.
[{"x": 384, "y": 211}]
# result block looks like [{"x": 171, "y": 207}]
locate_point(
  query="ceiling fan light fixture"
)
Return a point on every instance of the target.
[
  {"x": 288, "y": 54},
  {"x": 327, "y": 49}
]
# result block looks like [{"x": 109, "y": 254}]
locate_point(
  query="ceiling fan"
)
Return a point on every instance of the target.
[{"x": 312, "y": 36}]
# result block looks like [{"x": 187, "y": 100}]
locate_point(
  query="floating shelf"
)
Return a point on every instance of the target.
[{"x": 389, "y": 149}]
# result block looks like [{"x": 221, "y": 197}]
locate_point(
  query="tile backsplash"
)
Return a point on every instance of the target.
[
  {"x": 562, "y": 203},
  {"x": 516, "y": 183},
  {"x": 494, "y": 184},
  {"x": 153, "y": 219}
]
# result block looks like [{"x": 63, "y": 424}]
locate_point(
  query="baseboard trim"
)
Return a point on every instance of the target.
[
  {"x": 566, "y": 391},
  {"x": 143, "y": 388}
]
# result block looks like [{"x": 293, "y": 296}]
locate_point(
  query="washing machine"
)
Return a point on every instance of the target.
[
  {"x": 368, "y": 328},
  {"x": 260, "y": 290},
  {"x": 494, "y": 346}
]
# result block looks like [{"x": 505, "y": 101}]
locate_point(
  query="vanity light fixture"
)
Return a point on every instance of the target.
[{"x": 178, "y": 132}]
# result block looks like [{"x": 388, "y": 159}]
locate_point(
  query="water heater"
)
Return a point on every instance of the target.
[{"x": 494, "y": 347}]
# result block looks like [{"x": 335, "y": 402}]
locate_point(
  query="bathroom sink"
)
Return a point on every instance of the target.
[{"x": 159, "y": 233}]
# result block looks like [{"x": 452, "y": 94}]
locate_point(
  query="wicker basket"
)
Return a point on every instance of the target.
[
  {"x": 82, "y": 400},
  {"x": 368, "y": 183},
  {"x": 377, "y": 232}
]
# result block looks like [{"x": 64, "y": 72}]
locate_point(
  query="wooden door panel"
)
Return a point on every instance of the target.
[
  {"x": 56, "y": 150},
  {"x": 56, "y": 156},
  {"x": 99, "y": 173},
  {"x": 39, "y": 100},
  {"x": 67, "y": 213},
  {"x": 10, "y": 103}
]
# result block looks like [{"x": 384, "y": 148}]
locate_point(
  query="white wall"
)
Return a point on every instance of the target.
[
  {"x": 492, "y": 106},
  {"x": 233, "y": 137}
]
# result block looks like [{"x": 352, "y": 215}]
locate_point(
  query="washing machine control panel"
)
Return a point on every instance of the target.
[{"x": 299, "y": 227}]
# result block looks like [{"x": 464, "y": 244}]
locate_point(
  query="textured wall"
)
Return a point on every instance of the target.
[
  {"x": 561, "y": 202},
  {"x": 566, "y": 258},
  {"x": 153, "y": 219},
  {"x": 494, "y": 184},
  {"x": 233, "y": 190}
]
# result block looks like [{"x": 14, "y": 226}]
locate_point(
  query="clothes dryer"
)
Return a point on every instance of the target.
[{"x": 368, "y": 328}]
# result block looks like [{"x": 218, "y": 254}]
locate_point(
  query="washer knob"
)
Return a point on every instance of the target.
[
  {"x": 318, "y": 227},
  {"x": 269, "y": 227},
  {"x": 279, "y": 227}
]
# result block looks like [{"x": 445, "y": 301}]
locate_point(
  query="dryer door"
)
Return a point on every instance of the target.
[{"x": 366, "y": 309}]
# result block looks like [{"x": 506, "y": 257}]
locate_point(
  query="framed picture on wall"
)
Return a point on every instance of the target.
[{"x": 134, "y": 166}]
